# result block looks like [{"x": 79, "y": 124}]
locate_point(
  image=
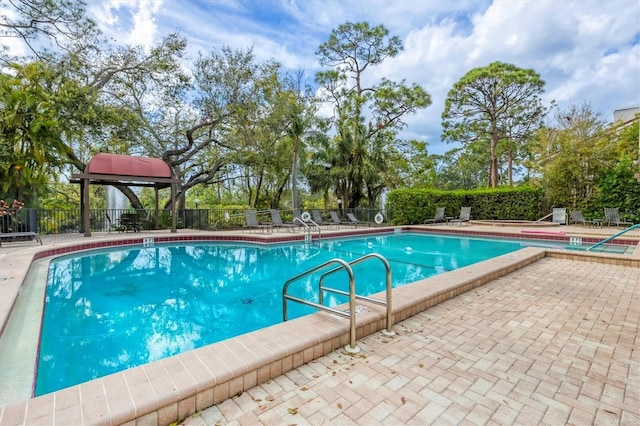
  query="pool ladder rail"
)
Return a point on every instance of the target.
[
  {"x": 307, "y": 236},
  {"x": 351, "y": 314},
  {"x": 606, "y": 240}
]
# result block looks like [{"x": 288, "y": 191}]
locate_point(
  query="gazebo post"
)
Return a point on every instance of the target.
[
  {"x": 157, "y": 207},
  {"x": 81, "y": 182},
  {"x": 173, "y": 208},
  {"x": 86, "y": 213}
]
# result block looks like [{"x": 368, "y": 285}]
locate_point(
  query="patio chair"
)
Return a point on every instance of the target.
[
  {"x": 297, "y": 217},
  {"x": 277, "y": 222},
  {"x": 335, "y": 219},
  {"x": 576, "y": 217},
  {"x": 559, "y": 215},
  {"x": 354, "y": 220},
  {"x": 439, "y": 216},
  {"x": 252, "y": 222},
  {"x": 612, "y": 217},
  {"x": 129, "y": 222},
  {"x": 112, "y": 226},
  {"x": 317, "y": 218},
  {"x": 465, "y": 216}
]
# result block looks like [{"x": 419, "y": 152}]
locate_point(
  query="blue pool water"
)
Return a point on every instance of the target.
[{"x": 109, "y": 310}]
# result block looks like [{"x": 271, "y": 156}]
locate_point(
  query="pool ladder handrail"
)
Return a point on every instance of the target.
[
  {"x": 388, "y": 288},
  {"x": 617, "y": 234},
  {"x": 351, "y": 348},
  {"x": 307, "y": 238}
]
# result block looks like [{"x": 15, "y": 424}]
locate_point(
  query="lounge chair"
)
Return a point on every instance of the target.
[
  {"x": 335, "y": 219},
  {"x": 354, "y": 220},
  {"x": 297, "y": 217},
  {"x": 559, "y": 215},
  {"x": 19, "y": 236},
  {"x": 277, "y": 222},
  {"x": 252, "y": 222},
  {"x": 576, "y": 217},
  {"x": 317, "y": 218},
  {"x": 612, "y": 217},
  {"x": 439, "y": 216},
  {"x": 465, "y": 216}
]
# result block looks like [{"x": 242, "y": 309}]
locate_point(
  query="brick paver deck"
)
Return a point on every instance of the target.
[{"x": 553, "y": 343}]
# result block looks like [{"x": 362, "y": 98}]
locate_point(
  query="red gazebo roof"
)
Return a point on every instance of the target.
[{"x": 126, "y": 165}]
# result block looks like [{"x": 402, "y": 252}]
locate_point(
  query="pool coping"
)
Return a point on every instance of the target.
[{"x": 171, "y": 389}]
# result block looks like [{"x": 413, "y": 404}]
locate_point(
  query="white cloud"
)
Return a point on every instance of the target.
[
  {"x": 145, "y": 28},
  {"x": 131, "y": 22}
]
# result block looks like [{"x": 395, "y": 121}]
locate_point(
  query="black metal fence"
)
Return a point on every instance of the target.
[{"x": 103, "y": 220}]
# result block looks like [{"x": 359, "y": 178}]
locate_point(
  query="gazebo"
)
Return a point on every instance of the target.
[{"x": 111, "y": 169}]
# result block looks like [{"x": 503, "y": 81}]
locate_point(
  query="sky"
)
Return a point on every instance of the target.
[{"x": 587, "y": 51}]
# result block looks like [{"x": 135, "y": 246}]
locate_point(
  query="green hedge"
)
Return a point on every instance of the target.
[{"x": 416, "y": 206}]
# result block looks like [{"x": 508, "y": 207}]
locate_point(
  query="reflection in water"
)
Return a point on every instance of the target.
[{"x": 112, "y": 310}]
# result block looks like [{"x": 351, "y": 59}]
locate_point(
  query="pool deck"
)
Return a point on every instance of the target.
[{"x": 537, "y": 337}]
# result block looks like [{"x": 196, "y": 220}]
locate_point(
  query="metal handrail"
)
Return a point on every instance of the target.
[
  {"x": 308, "y": 230},
  {"x": 543, "y": 218},
  {"x": 317, "y": 226},
  {"x": 351, "y": 348},
  {"x": 388, "y": 291},
  {"x": 613, "y": 236}
]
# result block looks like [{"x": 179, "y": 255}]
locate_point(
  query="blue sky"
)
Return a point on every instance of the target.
[{"x": 585, "y": 50}]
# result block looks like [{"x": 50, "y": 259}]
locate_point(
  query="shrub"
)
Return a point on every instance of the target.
[{"x": 415, "y": 206}]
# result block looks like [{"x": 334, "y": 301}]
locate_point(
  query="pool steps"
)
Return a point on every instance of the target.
[{"x": 351, "y": 348}]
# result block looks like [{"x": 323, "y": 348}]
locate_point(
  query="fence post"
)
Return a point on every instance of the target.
[{"x": 33, "y": 220}]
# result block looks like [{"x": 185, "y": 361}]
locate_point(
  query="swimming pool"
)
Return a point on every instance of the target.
[{"x": 111, "y": 310}]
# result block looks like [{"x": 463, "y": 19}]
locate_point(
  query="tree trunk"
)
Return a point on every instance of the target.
[
  {"x": 493, "y": 169},
  {"x": 131, "y": 196},
  {"x": 294, "y": 179},
  {"x": 510, "y": 168}
]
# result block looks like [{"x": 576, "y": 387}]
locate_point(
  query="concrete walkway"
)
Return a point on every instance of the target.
[{"x": 554, "y": 343}]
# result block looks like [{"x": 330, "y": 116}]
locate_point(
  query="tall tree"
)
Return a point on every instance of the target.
[
  {"x": 43, "y": 25},
  {"x": 463, "y": 168},
  {"x": 136, "y": 93},
  {"x": 351, "y": 49},
  {"x": 493, "y": 103},
  {"x": 98, "y": 114},
  {"x": 41, "y": 113},
  {"x": 253, "y": 101},
  {"x": 416, "y": 165},
  {"x": 301, "y": 112},
  {"x": 30, "y": 137},
  {"x": 570, "y": 154}
]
